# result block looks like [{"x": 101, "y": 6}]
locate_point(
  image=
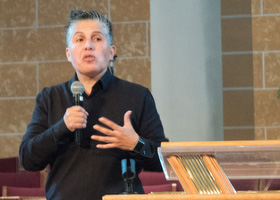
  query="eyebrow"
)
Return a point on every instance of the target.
[{"x": 95, "y": 32}]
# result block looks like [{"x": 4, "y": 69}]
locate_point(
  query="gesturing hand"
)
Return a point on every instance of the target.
[
  {"x": 75, "y": 117},
  {"x": 123, "y": 137}
]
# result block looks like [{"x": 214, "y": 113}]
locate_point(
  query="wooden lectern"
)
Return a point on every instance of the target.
[{"x": 206, "y": 170}]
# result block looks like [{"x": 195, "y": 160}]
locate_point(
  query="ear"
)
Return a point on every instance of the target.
[
  {"x": 113, "y": 51},
  {"x": 67, "y": 51}
]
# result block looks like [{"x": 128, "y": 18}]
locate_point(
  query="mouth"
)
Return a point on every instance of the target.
[{"x": 89, "y": 58}]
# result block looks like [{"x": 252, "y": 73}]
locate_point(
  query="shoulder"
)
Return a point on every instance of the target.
[
  {"x": 129, "y": 92},
  {"x": 55, "y": 90},
  {"x": 130, "y": 86}
]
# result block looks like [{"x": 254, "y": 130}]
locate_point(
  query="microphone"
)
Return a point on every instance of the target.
[
  {"x": 128, "y": 174},
  {"x": 77, "y": 89}
]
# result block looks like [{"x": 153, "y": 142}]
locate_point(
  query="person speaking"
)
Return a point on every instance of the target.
[{"x": 119, "y": 120}]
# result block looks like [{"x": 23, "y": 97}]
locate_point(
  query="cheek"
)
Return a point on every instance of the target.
[
  {"x": 101, "y": 55},
  {"x": 75, "y": 53},
  {"x": 106, "y": 54}
]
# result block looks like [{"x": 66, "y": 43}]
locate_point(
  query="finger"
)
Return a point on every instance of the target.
[
  {"x": 103, "y": 130},
  {"x": 73, "y": 126},
  {"x": 79, "y": 125},
  {"x": 73, "y": 123},
  {"x": 106, "y": 146},
  {"x": 109, "y": 123},
  {"x": 80, "y": 109},
  {"x": 85, "y": 112},
  {"x": 77, "y": 117},
  {"x": 126, "y": 118},
  {"x": 105, "y": 139}
]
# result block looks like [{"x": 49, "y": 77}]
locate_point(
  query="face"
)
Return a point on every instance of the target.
[{"x": 89, "y": 50}]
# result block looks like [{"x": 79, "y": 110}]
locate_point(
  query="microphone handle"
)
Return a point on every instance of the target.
[
  {"x": 78, "y": 136},
  {"x": 78, "y": 101}
]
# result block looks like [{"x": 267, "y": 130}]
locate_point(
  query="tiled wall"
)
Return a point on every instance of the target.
[
  {"x": 32, "y": 56},
  {"x": 251, "y": 68},
  {"x": 32, "y": 53}
]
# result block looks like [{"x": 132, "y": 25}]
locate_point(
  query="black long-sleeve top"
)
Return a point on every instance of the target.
[{"x": 85, "y": 172}]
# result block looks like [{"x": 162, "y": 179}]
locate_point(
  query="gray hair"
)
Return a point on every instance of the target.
[{"x": 78, "y": 15}]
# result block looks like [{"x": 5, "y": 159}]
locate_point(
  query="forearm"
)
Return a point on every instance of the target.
[
  {"x": 151, "y": 131},
  {"x": 148, "y": 156},
  {"x": 40, "y": 145}
]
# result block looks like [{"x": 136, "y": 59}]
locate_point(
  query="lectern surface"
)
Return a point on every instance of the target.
[
  {"x": 239, "y": 159},
  {"x": 253, "y": 196}
]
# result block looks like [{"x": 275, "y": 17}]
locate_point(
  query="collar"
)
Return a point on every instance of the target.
[
  {"x": 102, "y": 84},
  {"x": 105, "y": 79}
]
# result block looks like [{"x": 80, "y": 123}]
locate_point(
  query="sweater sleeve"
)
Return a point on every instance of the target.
[
  {"x": 151, "y": 131},
  {"x": 41, "y": 140}
]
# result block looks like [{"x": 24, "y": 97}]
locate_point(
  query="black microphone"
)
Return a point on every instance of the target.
[
  {"x": 128, "y": 174},
  {"x": 77, "y": 89}
]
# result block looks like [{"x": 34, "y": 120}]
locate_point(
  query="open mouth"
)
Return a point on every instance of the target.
[{"x": 89, "y": 58}]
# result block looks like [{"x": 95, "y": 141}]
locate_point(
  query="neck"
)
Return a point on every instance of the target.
[{"x": 89, "y": 82}]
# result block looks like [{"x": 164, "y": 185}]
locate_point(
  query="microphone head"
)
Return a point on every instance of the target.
[{"x": 77, "y": 88}]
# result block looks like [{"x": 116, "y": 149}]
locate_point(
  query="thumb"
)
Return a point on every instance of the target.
[{"x": 126, "y": 118}]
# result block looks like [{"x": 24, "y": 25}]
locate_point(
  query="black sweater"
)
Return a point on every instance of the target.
[{"x": 87, "y": 172}]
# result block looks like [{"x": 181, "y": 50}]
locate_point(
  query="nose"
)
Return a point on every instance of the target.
[{"x": 89, "y": 44}]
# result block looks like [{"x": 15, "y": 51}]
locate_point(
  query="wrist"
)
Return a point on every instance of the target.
[{"x": 139, "y": 145}]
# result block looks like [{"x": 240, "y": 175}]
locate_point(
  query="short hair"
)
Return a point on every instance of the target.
[{"x": 78, "y": 15}]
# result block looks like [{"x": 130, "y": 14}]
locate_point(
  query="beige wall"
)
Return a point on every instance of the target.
[
  {"x": 32, "y": 53},
  {"x": 251, "y": 70},
  {"x": 32, "y": 56}
]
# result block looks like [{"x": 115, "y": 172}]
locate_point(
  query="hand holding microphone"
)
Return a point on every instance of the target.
[{"x": 75, "y": 117}]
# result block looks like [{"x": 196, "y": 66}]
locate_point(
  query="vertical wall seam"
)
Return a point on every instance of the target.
[
  {"x": 261, "y": 7},
  {"x": 37, "y": 76},
  {"x": 36, "y": 10},
  {"x": 263, "y": 69},
  {"x": 109, "y": 12},
  {"x": 147, "y": 39}
]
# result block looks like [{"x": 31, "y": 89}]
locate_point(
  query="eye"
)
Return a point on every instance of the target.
[
  {"x": 79, "y": 39},
  {"x": 97, "y": 38}
]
